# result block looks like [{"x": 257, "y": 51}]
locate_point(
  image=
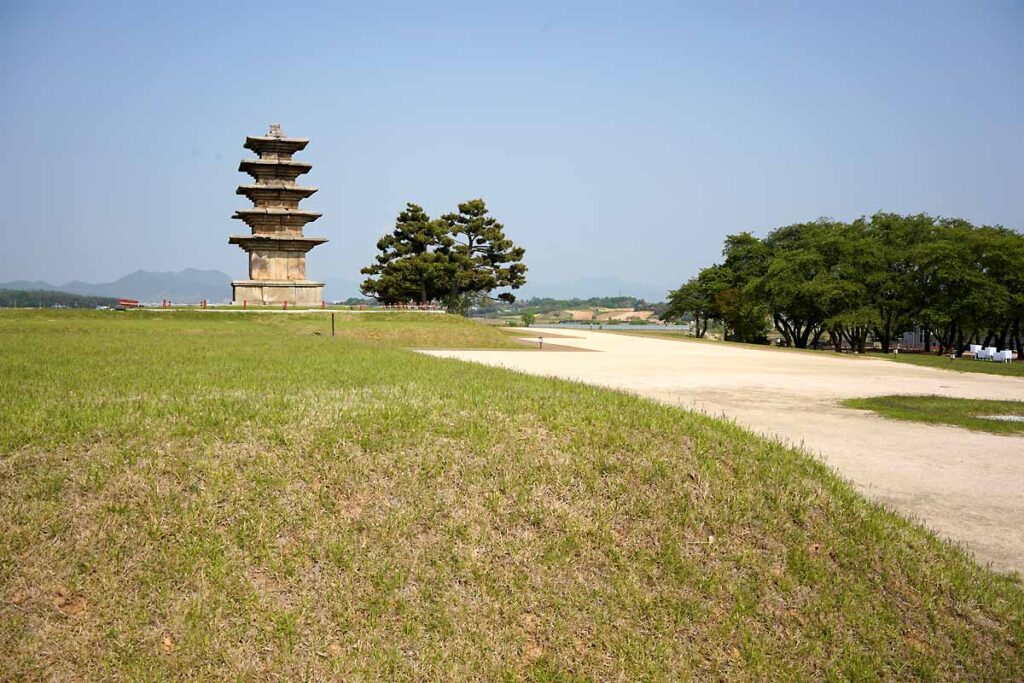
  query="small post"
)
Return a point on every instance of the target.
[
  {"x": 323, "y": 304},
  {"x": 245, "y": 303},
  {"x": 332, "y": 324},
  {"x": 285, "y": 305},
  {"x": 541, "y": 340}
]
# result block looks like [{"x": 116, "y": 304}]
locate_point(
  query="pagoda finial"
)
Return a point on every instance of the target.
[{"x": 275, "y": 131}]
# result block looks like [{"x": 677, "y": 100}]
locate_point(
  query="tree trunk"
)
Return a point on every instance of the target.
[
  {"x": 883, "y": 336},
  {"x": 800, "y": 340},
  {"x": 836, "y": 336},
  {"x": 702, "y": 328},
  {"x": 816, "y": 335},
  {"x": 453, "y": 296},
  {"x": 783, "y": 326}
]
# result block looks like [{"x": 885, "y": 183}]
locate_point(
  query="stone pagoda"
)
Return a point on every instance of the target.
[{"x": 276, "y": 246}]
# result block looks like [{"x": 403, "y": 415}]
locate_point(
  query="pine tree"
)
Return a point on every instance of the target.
[
  {"x": 481, "y": 257},
  {"x": 413, "y": 263}
]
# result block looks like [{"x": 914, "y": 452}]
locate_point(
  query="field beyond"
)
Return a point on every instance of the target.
[
  {"x": 967, "y": 413},
  {"x": 218, "y": 495}
]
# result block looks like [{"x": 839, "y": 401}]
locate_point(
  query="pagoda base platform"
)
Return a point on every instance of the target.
[{"x": 292, "y": 292}]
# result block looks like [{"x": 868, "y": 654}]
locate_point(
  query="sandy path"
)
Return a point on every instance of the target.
[{"x": 968, "y": 486}]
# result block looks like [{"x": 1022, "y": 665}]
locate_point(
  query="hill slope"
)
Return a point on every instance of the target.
[{"x": 234, "y": 496}]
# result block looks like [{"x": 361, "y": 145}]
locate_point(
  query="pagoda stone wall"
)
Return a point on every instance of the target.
[{"x": 276, "y": 265}]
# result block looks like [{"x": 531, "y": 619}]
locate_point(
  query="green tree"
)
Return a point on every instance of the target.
[
  {"x": 413, "y": 263},
  {"x": 460, "y": 259},
  {"x": 734, "y": 301},
  {"x": 895, "y": 287},
  {"x": 527, "y": 318},
  {"x": 793, "y": 281},
  {"x": 691, "y": 302},
  {"x": 481, "y": 258},
  {"x": 743, "y": 317},
  {"x": 813, "y": 280}
]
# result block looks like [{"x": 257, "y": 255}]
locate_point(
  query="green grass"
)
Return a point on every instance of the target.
[
  {"x": 1015, "y": 369},
  {"x": 217, "y": 496},
  {"x": 408, "y": 330},
  {"x": 959, "y": 412}
]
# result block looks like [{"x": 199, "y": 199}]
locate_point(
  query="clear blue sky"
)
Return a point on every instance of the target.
[{"x": 621, "y": 139}]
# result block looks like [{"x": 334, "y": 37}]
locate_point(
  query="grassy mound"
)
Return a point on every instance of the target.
[
  {"x": 959, "y": 412},
  {"x": 232, "y": 496}
]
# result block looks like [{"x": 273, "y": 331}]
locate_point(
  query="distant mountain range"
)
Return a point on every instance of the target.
[
  {"x": 185, "y": 286},
  {"x": 192, "y": 285}
]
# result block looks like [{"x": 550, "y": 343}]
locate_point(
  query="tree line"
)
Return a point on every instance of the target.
[
  {"x": 869, "y": 280},
  {"x": 44, "y": 298},
  {"x": 459, "y": 259},
  {"x": 543, "y": 305}
]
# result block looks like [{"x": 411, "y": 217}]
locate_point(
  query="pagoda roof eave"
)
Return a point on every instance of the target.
[
  {"x": 272, "y": 138},
  {"x": 276, "y": 211},
  {"x": 273, "y": 162},
  {"x": 276, "y": 240},
  {"x": 281, "y": 185}
]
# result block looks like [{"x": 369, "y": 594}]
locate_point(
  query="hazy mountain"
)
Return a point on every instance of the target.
[
  {"x": 27, "y": 285},
  {"x": 185, "y": 286}
]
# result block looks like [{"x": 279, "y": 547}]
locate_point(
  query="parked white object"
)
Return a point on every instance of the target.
[
  {"x": 981, "y": 354},
  {"x": 975, "y": 349}
]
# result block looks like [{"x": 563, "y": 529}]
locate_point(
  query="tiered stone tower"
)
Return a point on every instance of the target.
[{"x": 276, "y": 248}]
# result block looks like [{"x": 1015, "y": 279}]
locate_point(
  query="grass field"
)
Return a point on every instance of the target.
[
  {"x": 941, "y": 410},
  {"x": 207, "y": 496},
  {"x": 1015, "y": 369}
]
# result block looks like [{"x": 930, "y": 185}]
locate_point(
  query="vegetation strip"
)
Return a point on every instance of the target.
[
  {"x": 960, "y": 412},
  {"x": 209, "y": 497},
  {"x": 1015, "y": 369}
]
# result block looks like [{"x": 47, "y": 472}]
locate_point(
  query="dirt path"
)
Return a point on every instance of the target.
[{"x": 968, "y": 486}]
